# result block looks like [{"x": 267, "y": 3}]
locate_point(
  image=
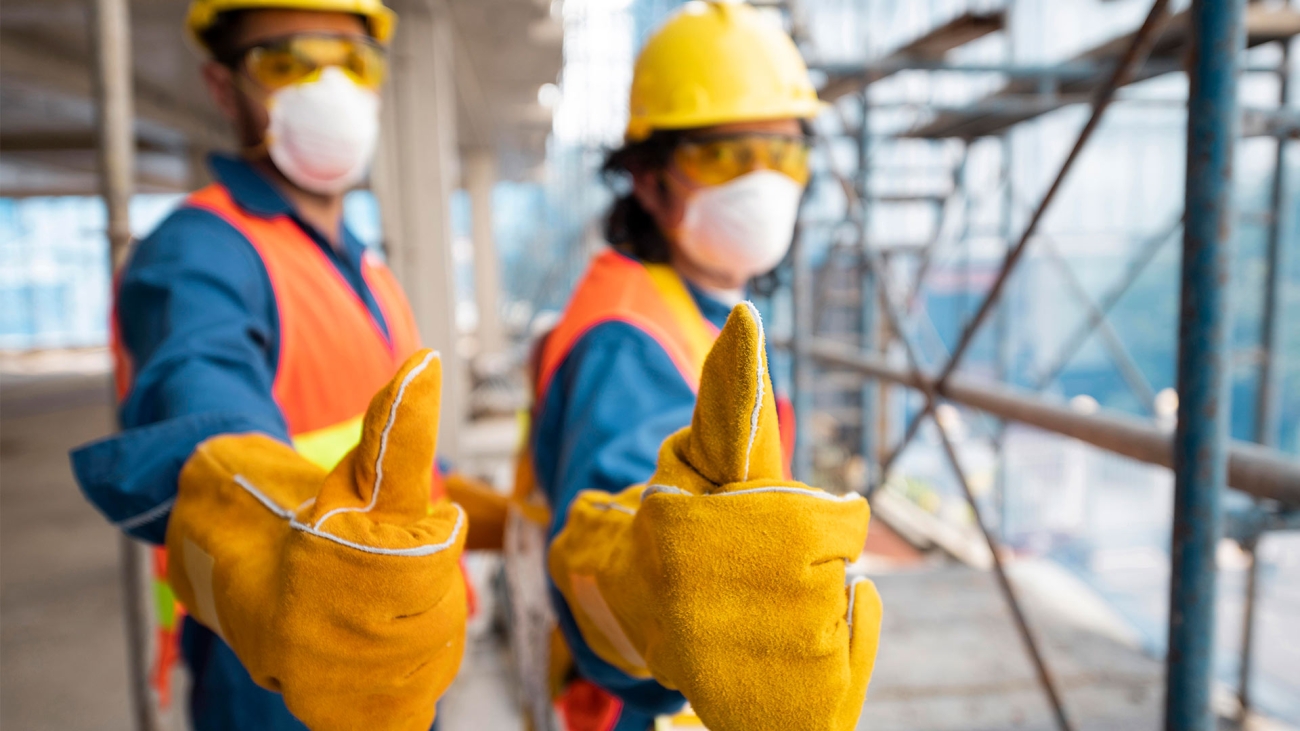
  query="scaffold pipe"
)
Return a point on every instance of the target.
[
  {"x": 110, "y": 36},
  {"x": 1200, "y": 446},
  {"x": 1262, "y": 472}
]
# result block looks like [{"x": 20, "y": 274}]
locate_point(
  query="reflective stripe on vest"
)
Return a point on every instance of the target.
[{"x": 333, "y": 354}]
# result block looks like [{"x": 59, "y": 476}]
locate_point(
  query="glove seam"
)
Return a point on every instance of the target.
[
  {"x": 657, "y": 489},
  {"x": 758, "y": 395},
  {"x": 611, "y": 505},
  {"x": 145, "y": 518},
  {"x": 383, "y": 442},
  {"x": 427, "y": 549},
  {"x": 853, "y": 595}
]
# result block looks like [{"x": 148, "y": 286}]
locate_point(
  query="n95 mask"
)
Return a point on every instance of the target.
[
  {"x": 323, "y": 133},
  {"x": 744, "y": 226}
]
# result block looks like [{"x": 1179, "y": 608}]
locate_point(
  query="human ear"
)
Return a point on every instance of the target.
[{"x": 220, "y": 80}]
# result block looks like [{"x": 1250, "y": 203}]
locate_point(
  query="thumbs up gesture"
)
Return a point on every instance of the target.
[
  {"x": 340, "y": 590},
  {"x": 719, "y": 577}
]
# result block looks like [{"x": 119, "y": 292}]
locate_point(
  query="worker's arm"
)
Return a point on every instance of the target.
[
  {"x": 719, "y": 577},
  {"x": 196, "y": 315},
  {"x": 610, "y": 405}
]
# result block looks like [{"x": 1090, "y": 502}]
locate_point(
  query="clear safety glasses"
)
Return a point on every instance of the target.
[
  {"x": 281, "y": 62},
  {"x": 717, "y": 160}
]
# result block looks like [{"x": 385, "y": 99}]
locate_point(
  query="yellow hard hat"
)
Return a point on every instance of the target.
[
  {"x": 718, "y": 63},
  {"x": 203, "y": 13}
]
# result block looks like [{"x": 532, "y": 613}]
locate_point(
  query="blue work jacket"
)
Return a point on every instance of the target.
[
  {"x": 197, "y": 316},
  {"x": 614, "y": 399}
]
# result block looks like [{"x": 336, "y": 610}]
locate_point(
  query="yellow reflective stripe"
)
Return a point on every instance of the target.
[
  {"x": 684, "y": 720},
  {"x": 327, "y": 447},
  {"x": 698, "y": 331}
]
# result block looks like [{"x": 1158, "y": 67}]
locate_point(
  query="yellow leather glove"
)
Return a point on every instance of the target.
[
  {"x": 720, "y": 578},
  {"x": 485, "y": 510},
  {"x": 341, "y": 590}
]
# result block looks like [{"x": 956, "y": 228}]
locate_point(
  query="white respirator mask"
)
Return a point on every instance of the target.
[
  {"x": 744, "y": 226},
  {"x": 323, "y": 132}
]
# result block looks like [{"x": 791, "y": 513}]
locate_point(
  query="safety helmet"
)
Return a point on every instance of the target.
[
  {"x": 203, "y": 13},
  {"x": 718, "y": 63}
]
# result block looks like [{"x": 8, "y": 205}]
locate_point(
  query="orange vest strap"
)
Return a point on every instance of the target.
[
  {"x": 333, "y": 356},
  {"x": 617, "y": 288}
]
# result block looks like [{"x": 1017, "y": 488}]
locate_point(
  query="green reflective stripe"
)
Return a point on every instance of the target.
[
  {"x": 326, "y": 447},
  {"x": 164, "y": 604}
]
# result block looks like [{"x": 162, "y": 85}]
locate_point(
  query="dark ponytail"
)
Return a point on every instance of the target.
[{"x": 629, "y": 227}]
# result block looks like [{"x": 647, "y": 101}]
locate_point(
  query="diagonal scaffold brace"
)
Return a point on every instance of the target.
[
  {"x": 1131, "y": 61},
  {"x": 876, "y": 264}
]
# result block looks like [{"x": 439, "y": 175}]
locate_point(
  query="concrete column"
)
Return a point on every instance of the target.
[
  {"x": 414, "y": 177},
  {"x": 197, "y": 159},
  {"x": 480, "y": 179}
]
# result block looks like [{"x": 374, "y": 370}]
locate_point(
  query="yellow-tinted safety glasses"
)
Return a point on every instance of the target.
[
  {"x": 281, "y": 62},
  {"x": 717, "y": 160}
]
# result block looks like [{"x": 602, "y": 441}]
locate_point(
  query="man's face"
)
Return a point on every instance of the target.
[{"x": 240, "y": 98}]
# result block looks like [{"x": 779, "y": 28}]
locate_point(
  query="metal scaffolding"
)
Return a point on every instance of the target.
[
  {"x": 885, "y": 318},
  {"x": 1201, "y": 454}
]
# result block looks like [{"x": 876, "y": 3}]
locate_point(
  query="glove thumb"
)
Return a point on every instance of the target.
[
  {"x": 389, "y": 473},
  {"x": 734, "y": 436},
  {"x": 865, "y": 614}
]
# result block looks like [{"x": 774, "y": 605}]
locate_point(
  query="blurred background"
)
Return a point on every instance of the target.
[{"x": 951, "y": 120}]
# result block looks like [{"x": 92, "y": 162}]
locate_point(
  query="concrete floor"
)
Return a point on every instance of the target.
[
  {"x": 62, "y": 647},
  {"x": 949, "y": 656},
  {"x": 62, "y": 652}
]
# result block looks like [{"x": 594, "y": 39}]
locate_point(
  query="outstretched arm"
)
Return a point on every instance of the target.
[
  {"x": 719, "y": 577},
  {"x": 195, "y": 316},
  {"x": 610, "y": 406}
]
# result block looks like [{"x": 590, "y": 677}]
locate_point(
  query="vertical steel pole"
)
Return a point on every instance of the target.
[
  {"x": 966, "y": 242},
  {"x": 802, "y": 363},
  {"x": 1266, "y": 398},
  {"x": 480, "y": 176},
  {"x": 1200, "y": 443},
  {"x": 1266, "y": 404},
  {"x": 111, "y": 40},
  {"x": 1002, "y": 325},
  {"x": 870, "y": 342},
  {"x": 1248, "y": 630},
  {"x": 1003, "y": 315}
]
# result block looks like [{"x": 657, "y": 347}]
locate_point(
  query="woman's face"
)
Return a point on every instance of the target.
[{"x": 665, "y": 194}]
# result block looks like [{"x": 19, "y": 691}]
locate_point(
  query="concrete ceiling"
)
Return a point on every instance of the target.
[{"x": 505, "y": 50}]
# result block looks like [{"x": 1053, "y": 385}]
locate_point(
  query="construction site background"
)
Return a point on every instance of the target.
[{"x": 951, "y": 120}]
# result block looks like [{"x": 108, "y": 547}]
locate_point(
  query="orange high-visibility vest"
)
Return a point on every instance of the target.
[
  {"x": 333, "y": 355},
  {"x": 650, "y": 297},
  {"x": 653, "y": 299}
]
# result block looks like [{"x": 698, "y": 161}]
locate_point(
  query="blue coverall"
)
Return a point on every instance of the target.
[
  {"x": 611, "y": 403},
  {"x": 197, "y": 315}
]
